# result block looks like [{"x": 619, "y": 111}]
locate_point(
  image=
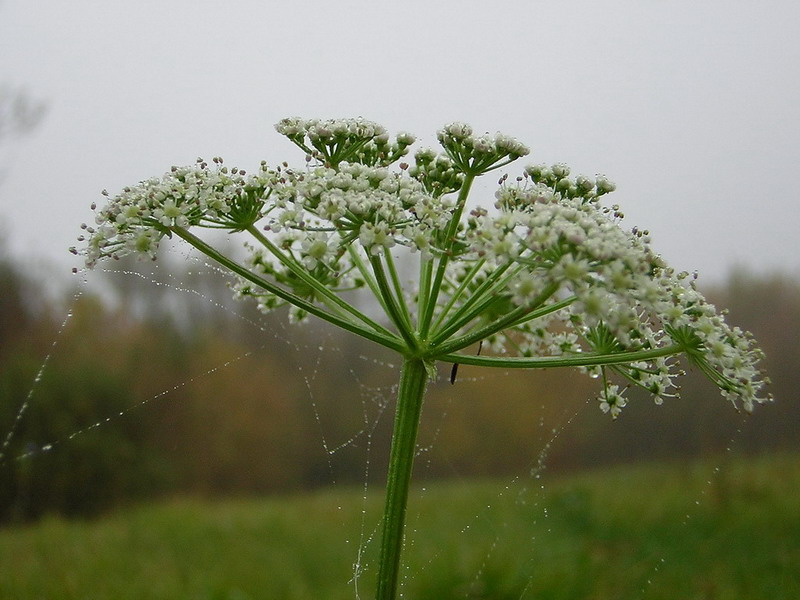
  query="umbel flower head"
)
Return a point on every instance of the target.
[{"x": 544, "y": 275}]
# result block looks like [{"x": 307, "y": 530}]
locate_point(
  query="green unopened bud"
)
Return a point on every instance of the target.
[
  {"x": 560, "y": 170},
  {"x": 604, "y": 186}
]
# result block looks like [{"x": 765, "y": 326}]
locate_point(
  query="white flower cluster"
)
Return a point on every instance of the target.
[
  {"x": 546, "y": 272},
  {"x": 334, "y": 141},
  {"x": 378, "y": 206},
  {"x": 138, "y": 218},
  {"x": 317, "y": 215},
  {"x": 329, "y": 130},
  {"x": 624, "y": 297},
  {"x": 479, "y": 154}
]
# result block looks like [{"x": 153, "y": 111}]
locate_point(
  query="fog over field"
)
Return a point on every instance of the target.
[{"x": 690, "y": 108}]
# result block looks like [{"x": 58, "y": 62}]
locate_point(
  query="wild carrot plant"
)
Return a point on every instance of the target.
[{"x": 542, "y": 277}]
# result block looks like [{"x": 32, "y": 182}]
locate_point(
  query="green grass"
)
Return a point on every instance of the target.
[{"x": 716, "y": 530}]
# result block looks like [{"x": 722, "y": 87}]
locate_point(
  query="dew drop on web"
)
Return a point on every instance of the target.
[{"x": 526, "y": 489}]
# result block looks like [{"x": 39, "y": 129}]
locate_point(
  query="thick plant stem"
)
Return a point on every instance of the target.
[{"x": 413, "y": 380}]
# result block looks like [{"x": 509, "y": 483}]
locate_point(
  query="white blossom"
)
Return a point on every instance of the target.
[{"x": 546, "y": 251}]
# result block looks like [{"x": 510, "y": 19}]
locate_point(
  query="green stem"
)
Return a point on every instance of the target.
[
  {"x": 478, "y": 301},
  {"x": 413, "y": 379},
  {"x": 456, "y": 296},
  {"x": 515, "y": 316},
  {"x": 586, "y": 359},
  {"x": 394, "y": 311},
  {"x": 545, "y": 310},
  {"x": 299, "y": 270},
  {"x": 449, "y": 240},
  {"x": 425, "y": 274},
  {"x": 388, "y": 340},
  {"x": 365, "y": 273},
  {"x": 398, "y": 287}
]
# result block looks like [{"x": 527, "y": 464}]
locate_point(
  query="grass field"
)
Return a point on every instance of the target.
[{"x": 725, "y": 529}]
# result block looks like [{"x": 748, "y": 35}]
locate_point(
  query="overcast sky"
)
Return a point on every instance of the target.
[{"x": 691, "y": 107}]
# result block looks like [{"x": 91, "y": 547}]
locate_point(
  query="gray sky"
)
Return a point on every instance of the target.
[{"x": 691, "y": 107}]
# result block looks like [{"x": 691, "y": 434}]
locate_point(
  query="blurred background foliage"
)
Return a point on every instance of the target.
[{"x": 169, "y": 386}]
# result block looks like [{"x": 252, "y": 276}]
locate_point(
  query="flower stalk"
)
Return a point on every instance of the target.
[{"x": 410, "y": 394}]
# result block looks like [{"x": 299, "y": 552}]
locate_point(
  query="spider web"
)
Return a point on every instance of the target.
[{"x": 483, "y": 526}]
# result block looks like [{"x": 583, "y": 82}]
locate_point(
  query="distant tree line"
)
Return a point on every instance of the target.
[{"x": 172, "y": 387}]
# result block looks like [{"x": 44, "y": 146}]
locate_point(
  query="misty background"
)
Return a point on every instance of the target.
[{"x": 690, "y": 108}]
